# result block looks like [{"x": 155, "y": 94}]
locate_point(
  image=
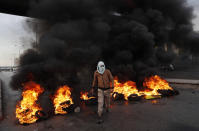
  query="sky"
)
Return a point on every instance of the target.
[
  {"x": 195, "y": 4},
  {"x": 14, "y": 37}
]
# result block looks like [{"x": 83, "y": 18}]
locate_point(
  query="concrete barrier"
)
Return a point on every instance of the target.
[
  {"x": 1, "y": 103},
  {"x": 182, "y": 81}
]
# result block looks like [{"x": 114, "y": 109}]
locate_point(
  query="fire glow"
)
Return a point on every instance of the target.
[
  {"x": 84, "y": 96},
  {"x": 153, "y": 84},
  {"x": 27, "y": 108},
  {"x": 62, "y": 99}
]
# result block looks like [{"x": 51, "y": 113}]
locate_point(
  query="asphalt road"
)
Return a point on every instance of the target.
[
  {"x": 187, "y": 71},
  {"x": 179, "y": 113}
]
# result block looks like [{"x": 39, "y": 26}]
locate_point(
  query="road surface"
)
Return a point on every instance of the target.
[{"x": 178, "y": 113}]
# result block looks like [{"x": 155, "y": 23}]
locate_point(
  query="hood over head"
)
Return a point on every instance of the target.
[{"x": 100, "y": 67}]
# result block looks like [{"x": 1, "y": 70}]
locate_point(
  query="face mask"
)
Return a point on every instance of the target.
[{"x": 100, "y": 67}]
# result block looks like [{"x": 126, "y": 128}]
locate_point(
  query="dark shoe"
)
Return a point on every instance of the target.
[
  {"x": 100, "y": 121},
  {"x": 108, "y": 110}
]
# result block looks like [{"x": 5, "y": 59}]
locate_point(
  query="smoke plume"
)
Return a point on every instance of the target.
[{"x": 128, "y": 35}]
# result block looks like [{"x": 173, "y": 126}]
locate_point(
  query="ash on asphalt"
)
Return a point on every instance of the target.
[{"x": 166, "y": 114}]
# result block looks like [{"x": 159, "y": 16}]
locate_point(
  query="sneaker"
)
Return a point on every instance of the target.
[
  {"x": 100, "y": 121},
  {"x": 108, "y": 110}
]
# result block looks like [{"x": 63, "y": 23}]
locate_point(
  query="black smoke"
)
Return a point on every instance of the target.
[{"x": 128, "y": 35}]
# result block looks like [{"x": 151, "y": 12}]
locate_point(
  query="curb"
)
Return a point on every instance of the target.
[
  {"x": 1, "y": 109},
  {"x": 182, "y": 81}
]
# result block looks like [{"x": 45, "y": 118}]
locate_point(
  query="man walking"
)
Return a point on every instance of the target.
[{"x": 103, "y": 79}]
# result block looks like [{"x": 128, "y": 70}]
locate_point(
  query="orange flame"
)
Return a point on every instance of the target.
[
  {"x": 126, "y": 88},
  {"x": 62, "y": 99},
  {"x": 156, "y": 83},
  {"x": 84, "y": 96},
  {"x": 153, "y": 83},
  {"x": 26, "y": 109}
]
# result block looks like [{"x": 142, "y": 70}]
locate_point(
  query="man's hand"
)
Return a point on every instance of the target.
[
  {"x": 92, "y": 91},
  {"x": 111, "y": 90}
]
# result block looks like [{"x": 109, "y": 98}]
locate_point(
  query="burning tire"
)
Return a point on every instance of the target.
[
  {"x": 69, "y": 109},
  {"x": 88, "y": 99},
  {"x": 116, "y": 96},
  {"x": 41, "y": 115},
  {"x": 166, "y": 93},
  {"x": 92, "y": 101},
  {"x": 134, "y": 97}
]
